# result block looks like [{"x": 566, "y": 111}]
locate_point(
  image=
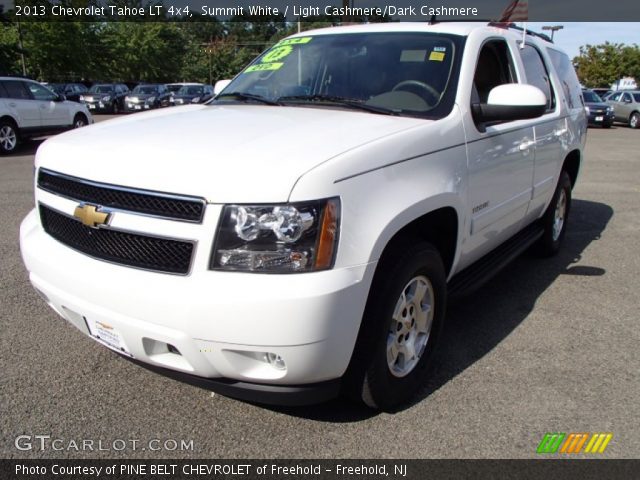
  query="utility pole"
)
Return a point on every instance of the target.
[{"x": 24, "y": 68}]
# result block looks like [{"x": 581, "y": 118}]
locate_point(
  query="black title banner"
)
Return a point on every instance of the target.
[
  {"x": 16, "y": 469},
  {"x": 332, "y": 10}
]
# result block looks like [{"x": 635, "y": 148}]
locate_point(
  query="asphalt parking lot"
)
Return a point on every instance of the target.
[{"x": 547, "y": 346}]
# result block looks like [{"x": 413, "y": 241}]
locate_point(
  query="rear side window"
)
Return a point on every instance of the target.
[
  {"x": 537, "y": 74},
  {"x": 3, "y": 92},
  {"x": 568, "y": 78},
  {"x": 15, "y": 89}
]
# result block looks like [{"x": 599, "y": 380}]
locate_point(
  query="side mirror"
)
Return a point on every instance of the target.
[
  {"x": 60, "y": 98},
  {"x": 220, "y": 85},
  {"x": 511, "y": 101}
]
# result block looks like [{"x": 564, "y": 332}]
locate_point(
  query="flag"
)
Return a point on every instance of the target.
[{"x": 516, "y": 11}]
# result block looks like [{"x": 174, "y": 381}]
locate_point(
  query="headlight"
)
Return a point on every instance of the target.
[
  {"x": 151, "y": 99},
  {"x": 586, "y": 109},
  {"x": 288, "y": 238},
  {"x": 195, "y": 100},
  {"x": 106, "y": 99},
  {"x": 82, "y": 98},
  {"x": 127, "y": 99},
  {"x": 609, "y": 109}
]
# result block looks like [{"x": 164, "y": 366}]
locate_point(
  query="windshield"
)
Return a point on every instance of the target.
[
  {"x": 145, "y": 89},
  {"x": 56, "y": 87},
  {"x": 101, "y": 89},
  {"x": 191, "y": 90},
  {"x": 591, "y": 97},
  {"x": 405, "y": 73}
]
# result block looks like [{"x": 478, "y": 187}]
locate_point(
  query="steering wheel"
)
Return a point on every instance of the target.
[{"x": 433, "y": 93}]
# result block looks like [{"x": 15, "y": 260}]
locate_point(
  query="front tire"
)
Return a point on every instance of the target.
[
  {"x": 79, "y": 121},
  {"x": 634, "y": 120},
  {"x": 403, "y": 319},
  {"x": 555, "y": 218},
  {"x": 9, "y": 138}
]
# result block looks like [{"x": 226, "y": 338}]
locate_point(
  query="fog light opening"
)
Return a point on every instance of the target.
[
  {"x": 275, "y": 361},
  {"x": 173, "y": 349}
]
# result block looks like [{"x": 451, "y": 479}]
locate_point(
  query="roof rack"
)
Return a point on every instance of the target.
[{"x": 516, "y": 27}]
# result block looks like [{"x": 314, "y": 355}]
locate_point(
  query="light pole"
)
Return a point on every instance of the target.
[{"x": 553, "y": 28}]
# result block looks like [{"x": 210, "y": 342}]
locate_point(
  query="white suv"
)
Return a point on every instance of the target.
[
  {"x": 29, "y": 109},
  {"x": 302, "y": 237}
]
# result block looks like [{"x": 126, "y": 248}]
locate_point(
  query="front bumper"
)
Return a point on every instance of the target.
[
  {"x": 217, "y": 327},
  {"x": 138, "y": 107},
  {"x": 601, "y": 118},
  {"x": 99, "y": 106}
]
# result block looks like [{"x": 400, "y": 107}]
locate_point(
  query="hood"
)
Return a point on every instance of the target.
[
  {"x": 224, "y": 153},
  {"x": 142, "y": 96},
  {"x": 598, "y": 105}
]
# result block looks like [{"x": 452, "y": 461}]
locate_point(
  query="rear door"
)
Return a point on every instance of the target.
[
  {"x": 20, "y": 103},
  {"x": 550, "y": 130}
]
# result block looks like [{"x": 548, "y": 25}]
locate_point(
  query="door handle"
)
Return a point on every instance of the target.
[
  {"x": 559, "y": 133},
  {"x": 526, "y": 145}
]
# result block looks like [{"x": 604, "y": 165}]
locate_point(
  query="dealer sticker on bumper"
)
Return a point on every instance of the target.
[{"x": 107, "y": 335}]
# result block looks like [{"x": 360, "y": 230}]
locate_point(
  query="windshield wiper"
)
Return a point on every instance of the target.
[
  {"x": 354, "y": 103},
  {"x": 248, "y": 96}
]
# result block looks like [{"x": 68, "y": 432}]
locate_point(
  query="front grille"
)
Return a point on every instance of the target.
[
  {"x": 131, "y": 249},
  {"x": 190, "y": 209}
]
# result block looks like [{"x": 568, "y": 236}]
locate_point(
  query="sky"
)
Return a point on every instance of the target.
[{"x": 575, "y": 34}]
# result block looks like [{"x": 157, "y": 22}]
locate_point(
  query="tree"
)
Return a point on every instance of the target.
[{"x": 601, "y": 65}]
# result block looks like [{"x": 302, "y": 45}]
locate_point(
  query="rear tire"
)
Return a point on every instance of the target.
[
  {"x": 9, "y": 137},
  {"x": 402, "y": 322},
  {"x": 555, "y": 218}
]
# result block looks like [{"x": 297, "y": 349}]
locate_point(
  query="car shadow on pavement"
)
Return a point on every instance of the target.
[
  {"x": 478, "y": 323},
  {"x": 27, "y": 147}
]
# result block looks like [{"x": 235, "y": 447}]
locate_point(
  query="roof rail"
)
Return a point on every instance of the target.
[{"x": 515, "y": 27}]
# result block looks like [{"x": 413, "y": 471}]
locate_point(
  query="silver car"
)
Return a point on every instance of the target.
[{"x": 626, "y": 105}]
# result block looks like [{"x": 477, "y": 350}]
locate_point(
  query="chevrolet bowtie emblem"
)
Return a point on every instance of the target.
[{"x": 90, "y": 216}]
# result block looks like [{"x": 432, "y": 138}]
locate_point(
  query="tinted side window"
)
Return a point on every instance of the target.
[
  {"x": 495, "y": 67},
  {"x": 15, "y": 89},
  {"x": 615, "y": 97},
  {"x": 41, "y": 93},
  {"x": 568, "y": 78},
  {"x": 537, "y": 74},
  {"x": 626, "y": 98},
  {"x": 3, "y": 92}
]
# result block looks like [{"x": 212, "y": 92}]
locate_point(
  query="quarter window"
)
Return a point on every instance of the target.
[{"x": 15, "y": 89}]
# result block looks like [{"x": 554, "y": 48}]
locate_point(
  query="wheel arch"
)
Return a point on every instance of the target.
[
  {"x": 11, "y": 119},
  {"x": 571, "y": 165},
  {"x": 440, "y": 227}
]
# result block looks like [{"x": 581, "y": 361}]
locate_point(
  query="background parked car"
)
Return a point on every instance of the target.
[
  {"x": 71, "y": 91},
  {"x": 174, "y": 87},
  {"x": 598, "y": 112},
  {"x": 626, "y": 106},
  {"x": 192, "y": 93},
  {"x": 601, "y": 92},
  {"x": 29, "y": 109},
  {"x": 146, "y": 97},
  {"x": 105, "y": 97}
]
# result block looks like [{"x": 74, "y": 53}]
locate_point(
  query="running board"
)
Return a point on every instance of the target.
[{"x": 480, "y": 272}]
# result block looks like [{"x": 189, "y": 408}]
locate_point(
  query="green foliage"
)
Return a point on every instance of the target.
[
  {"x": 153, "y": 50},
  {"x": 601, "y": 65}
]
